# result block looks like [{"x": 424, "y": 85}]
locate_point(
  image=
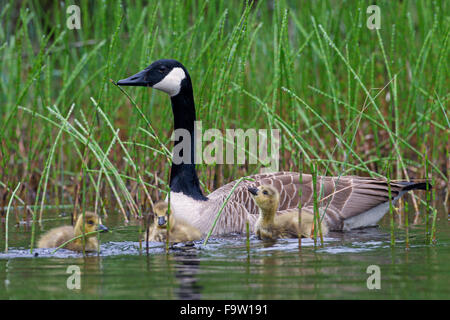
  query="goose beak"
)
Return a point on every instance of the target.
[
  {"x": 140, "y": 79},
  {"x": 253, "y": 191},
  {"x": 102, "y": 228},
  {"x": 161, "y": 221}
]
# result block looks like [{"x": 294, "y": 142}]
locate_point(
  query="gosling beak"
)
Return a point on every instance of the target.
[
  {"x": 102, "y": 228},
  {"x": 161, "y": 221},
  {"x": 140, "y": 79},
  {"x": 253, "y": 191}
]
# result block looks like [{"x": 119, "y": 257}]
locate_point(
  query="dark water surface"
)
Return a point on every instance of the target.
[{"x": 223, "y": 269}]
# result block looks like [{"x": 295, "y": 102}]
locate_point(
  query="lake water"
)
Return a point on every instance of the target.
[{"x": 224, "y": 269}]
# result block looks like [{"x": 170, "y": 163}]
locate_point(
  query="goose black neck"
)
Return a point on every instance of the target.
[{"x": 183, "y": 177}]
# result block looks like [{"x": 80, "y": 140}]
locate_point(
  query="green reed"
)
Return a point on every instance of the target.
[
  {"x": 391, "y": 207},
  {"x": 428, "y": 200},
  {"x": 316, "y": 223},
  {"x": 434, "y": 212},
  {"x": 7, "y": 216},
  {"x": 247, "y": 236},
  {"x": 168, "y": 222},
  {"x": 75, "y": 238},
  {"x": 300, "y": 191},
  {"x": 405, "y": 213}
]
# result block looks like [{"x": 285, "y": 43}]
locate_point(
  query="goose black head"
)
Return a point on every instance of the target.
[{"x": 167, "y": 75}]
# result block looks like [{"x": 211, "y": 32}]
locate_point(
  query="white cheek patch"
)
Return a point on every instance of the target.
[{"x": 171, "y": 83}]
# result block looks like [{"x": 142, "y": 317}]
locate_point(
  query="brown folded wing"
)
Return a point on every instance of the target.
[{"x": 339, "y": 197}]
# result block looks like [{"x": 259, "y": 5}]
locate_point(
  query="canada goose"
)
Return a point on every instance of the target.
[
  {"x": 271, "y": 226},
  {"x": 57, "y": 236},
  {"x": 349, "y": 201},
  {"x": 180, "y": 231}
]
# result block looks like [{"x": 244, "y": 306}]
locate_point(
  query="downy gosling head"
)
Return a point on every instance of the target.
[
  {"x": 162, "y": 216},
  {"x": 92, "y": 223},
  {"x": 267, "y": 198},
  {"x": 161, "y": 221}
]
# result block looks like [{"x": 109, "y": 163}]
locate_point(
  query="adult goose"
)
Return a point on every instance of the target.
[{"x": 348, "y": 202}]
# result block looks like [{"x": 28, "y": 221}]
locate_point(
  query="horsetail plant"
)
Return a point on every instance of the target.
[
  {"x": 391, "y": 208},
  {"x": 433, "y": 224},
  {"x": 168, "y": 221},
  {"x": 7, "y": 216},
  {"x": 300, "y": 177},
  {"x": 428, "y": 201},
  {"x": 406, "y": 212},
  {"x": 247, "y": 236},
  {"x": 315, "y": 201}
]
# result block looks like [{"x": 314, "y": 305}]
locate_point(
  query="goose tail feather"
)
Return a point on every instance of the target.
[{"x": 416, "y": 185}]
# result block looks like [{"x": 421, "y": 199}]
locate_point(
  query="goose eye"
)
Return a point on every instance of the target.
[
  {"x": 162, "y": 69},
  {"x": 265, "y": 192},
  {"x": 90, "y": 222}
]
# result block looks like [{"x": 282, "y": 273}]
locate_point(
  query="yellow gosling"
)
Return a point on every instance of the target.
[
  {"x": 271, "y": 226},
  {"x": 57, "y": 236},
  {"x": 180, "y": 231}
]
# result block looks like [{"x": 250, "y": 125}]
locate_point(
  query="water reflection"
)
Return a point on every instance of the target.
[
  {"x": 187, "y": 265},
  {"x": 34, "y": 278},
  {"x": 91, "y": 271},
  {"x": 225, "y": 269}
]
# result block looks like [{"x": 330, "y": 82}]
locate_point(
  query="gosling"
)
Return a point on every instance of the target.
[
  {"x": 179, "y": 231},
  {"x": 57, "y": 236},
  {"x": 270, "y": 226}
]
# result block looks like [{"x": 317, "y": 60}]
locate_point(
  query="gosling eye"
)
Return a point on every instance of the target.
[
  {"x": 265, "y": 192},
  {"x": 90, "y": 222}
]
